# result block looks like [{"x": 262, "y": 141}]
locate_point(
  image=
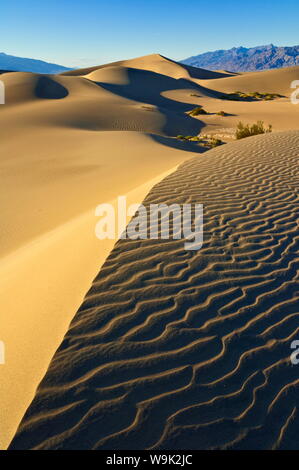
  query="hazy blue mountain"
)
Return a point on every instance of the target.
[
  {"x": 21, "y": 64},
  {"x": 241, "y": 59}
]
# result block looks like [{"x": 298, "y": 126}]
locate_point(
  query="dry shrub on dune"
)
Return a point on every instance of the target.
[{"x": 245, "y": 130}]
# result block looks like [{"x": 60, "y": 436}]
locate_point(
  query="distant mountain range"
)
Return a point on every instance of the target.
[
  {"x": 241, "y": 59},
  {"x": 237, "y": 59},
  {"x": 12, "y": 63}
]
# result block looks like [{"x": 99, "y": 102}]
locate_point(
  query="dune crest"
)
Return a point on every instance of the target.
[{"x": 155, "y": 63}]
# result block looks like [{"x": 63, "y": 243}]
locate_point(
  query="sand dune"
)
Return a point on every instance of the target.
[
  {"x": 146, "y": 95},
  {"x": 158, "y": 64},
  {"x": 72, "y": 141},
  {"x": 267, "y": 81},
  {"x": 180, "y": 349}
]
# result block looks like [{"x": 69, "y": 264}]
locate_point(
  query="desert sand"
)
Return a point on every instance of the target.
[
  {"x": 193, "y": 347},
  {"x": 180, "y": 349}
]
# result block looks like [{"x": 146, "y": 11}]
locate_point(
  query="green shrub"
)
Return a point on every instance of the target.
[
  {"x": 181, "y": 137},
  {"x": 193, "y": 138},
  {"x": 254, "y": 96},
  {"x": 269, "y": 97},
  {"x": 215, "y": 142},
  {"x": 221, "y": 113},
  {"x": 204, "y": 140},
  {"x": 247, "y": 130},
  {"x": 211, "y": 142},
  {"x": 198, "y": 110}
]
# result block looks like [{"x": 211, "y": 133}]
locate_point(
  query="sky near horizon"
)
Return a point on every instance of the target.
[{"x": 91, "y": 32}]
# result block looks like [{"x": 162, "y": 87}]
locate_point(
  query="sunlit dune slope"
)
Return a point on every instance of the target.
[{"x": 268, "y": 81}]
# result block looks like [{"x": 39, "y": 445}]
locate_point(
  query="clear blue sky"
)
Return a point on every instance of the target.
[{"x": 91, "y": 32}]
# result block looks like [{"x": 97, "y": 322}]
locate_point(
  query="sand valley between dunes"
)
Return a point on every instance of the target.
[{"x": 142, "y": 344}]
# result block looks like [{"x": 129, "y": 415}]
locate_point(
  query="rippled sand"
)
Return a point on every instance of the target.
[{"x": 176, "y": 349}]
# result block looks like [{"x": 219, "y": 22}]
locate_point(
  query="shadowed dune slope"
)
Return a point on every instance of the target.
[
  {"x": 176, "y": 349},
  {"x": 116, "y": 98}
]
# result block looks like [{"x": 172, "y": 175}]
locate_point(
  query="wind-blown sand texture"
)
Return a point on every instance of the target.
[{"x": 176, "y": 349}]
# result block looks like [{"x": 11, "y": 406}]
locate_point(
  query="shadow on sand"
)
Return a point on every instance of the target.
[
  {"x": 47, "y": 88},
  {"x": 187, "y": 146},
  {"x": 147, "y": 87}
]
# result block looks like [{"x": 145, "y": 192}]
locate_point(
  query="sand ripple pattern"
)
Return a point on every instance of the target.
[{"x": 174, "y": 349}]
